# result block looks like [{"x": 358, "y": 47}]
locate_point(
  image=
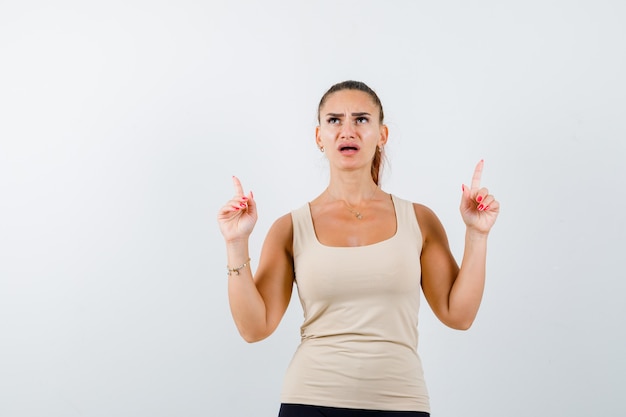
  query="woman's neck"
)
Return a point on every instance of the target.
[{"x": 352, "y": 188}]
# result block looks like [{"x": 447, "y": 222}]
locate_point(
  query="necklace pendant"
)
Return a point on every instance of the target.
[{"x": 358, "y": 215}]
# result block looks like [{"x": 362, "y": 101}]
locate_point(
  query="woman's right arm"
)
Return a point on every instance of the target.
[{"x": 257, "y": 302}]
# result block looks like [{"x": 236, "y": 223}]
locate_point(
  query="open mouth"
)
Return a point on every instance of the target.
[{"x": 348, "y": 148}]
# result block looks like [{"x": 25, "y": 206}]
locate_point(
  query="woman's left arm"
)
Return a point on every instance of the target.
[{"x": 455, "y": 293}]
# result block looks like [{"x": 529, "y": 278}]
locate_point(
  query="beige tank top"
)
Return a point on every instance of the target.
[{"x": 359, "y": 336}]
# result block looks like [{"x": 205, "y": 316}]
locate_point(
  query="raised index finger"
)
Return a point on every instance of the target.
[
  {"x": 238, "y": 187},
  {"x": 478, "y": 172}
]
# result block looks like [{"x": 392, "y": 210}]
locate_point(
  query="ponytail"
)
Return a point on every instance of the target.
[{"x": 377, "y": 164}]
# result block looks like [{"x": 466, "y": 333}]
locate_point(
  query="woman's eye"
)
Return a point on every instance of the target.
[
  {"x": 361, "y": 120},
  {"x": 332, "y": 120}
]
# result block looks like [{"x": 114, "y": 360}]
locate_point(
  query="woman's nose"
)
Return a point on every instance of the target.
[{"x": 347, "y": 130}]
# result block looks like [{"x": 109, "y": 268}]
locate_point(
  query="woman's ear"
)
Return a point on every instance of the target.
[
  {"x": 318, "y": 139},
  {"x": 384, "y": 135}
]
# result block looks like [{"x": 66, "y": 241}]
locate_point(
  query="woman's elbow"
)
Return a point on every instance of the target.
[
  {"x": 462, "y": 326},
  {"x": 253, "y": 336},
  {"x": 462, "y": 323}
]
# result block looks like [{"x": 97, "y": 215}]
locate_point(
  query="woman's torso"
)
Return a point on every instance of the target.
[{"x": 359, "y": 335}]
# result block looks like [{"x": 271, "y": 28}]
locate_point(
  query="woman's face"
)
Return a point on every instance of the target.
[{"x": 349, "y": 129}]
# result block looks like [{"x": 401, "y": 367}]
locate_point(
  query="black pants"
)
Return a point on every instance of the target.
[{"x": 301, "y": 410}]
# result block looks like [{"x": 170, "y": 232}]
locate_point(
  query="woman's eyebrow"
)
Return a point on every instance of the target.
[{"x": 357, "y": 114}]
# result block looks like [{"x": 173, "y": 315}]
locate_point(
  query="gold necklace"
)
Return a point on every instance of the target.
[{"x": 352, "y": 210}]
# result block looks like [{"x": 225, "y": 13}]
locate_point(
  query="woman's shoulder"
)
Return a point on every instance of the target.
[
  {"x": 428, "y": 221},
  {"x": 425, "y": 216},
  {"x": 422, "y": 210},
  {"x": 283, "y": 222},
  {"x": 417, "y": 207},
  {"x": 280, "y": 233},
  {"x": 286, "y": 220}
]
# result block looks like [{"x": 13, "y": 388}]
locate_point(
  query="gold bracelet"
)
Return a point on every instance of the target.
[{"x": 236, "y": 270}]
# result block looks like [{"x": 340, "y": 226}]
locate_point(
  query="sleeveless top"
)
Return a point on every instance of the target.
[{"x": 359, "y": 337}]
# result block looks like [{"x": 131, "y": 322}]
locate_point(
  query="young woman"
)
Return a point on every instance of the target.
[{"x": 359, "y": 257}]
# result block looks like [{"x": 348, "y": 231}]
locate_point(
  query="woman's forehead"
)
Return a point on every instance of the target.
[{"x": 344, "y": 98}]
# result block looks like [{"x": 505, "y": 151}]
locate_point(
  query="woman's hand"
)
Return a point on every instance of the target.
[
  {"x": 479, "y": 209},
  {"x": 238, "y": 216}
]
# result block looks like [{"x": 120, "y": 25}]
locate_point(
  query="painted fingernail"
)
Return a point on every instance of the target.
[
  {"x": 486, "y": 207},
  {"x": 480, "y": 207},
  {"x": 251, "y": 195},
  {"x": 463, "y": 187},
  {"x": 242, "y": 205},
  {"x": 236, "y": 208},
  {"x": 479, "y": 198},
  {"x": 244, "y": 198}
]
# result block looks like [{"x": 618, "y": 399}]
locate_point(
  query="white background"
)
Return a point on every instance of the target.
[{"x": 122, "y": 122}]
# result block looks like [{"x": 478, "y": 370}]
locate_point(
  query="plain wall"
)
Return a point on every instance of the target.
[{"x": 122, "y": 122}]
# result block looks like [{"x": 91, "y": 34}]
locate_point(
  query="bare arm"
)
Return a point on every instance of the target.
[
  {"x": 257, "y": 302},
  {"x": 455, "y": 293}
]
